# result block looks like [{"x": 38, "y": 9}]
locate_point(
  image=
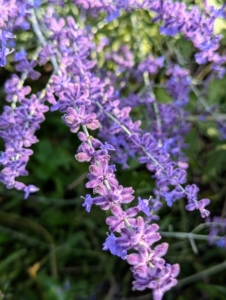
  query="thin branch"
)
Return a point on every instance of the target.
[
  {"x": 205, "y": 225},
  {"x": 41, "y": 38},
  {"x": 203, "y": 274},
  {"x": 77, "y": 181},
  {"x": 186, "y": 235}
]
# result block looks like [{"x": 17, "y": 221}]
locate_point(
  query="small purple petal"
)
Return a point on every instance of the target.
[{"x": 88, "y": 202}]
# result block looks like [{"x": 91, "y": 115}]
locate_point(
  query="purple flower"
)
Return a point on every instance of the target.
[
  {"x": 199, "y": 205},
  {"x": 25, "y": 65},
  {"x": 117, "y": 221},
  {"x": 174, "y": 195},
  {"x": 151, "y": 65},
  {"x": 221, "y": 242},
  {"x": 138, "y": 234},
  {"x": 143, "y": 206},
  {"x": 88, "y": 202},
  {"x": 30, "y": 189},
  {"x": 217, "y": 227},
  {"x": 22, "y": 54},
  {"x": 114, "y": 15},
  {"x": 4, "y": 51},
  {"x": 116, "y": 195},
  {"x": 192, "y": 191},
  {"x": 74, "y": 119},
  {"x": 46, "y": 53},
  {"x": 86, "y": 152},
  {"x": 160, "y": 279},
  {"x": 110, "y": 244},
  {"x": 147, "y": 257},
  {"x": 98, "y": 174},
  {"x": 107, "y": 146},
  {"x": 178, "y": 86}
]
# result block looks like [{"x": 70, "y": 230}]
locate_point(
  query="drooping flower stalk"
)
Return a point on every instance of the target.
[
  {"x": 134, "y": 232},
  {"x": 19, "y": 122}
]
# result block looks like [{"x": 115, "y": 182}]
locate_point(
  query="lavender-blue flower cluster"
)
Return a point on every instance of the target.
[{"x": 89, "y": 100}]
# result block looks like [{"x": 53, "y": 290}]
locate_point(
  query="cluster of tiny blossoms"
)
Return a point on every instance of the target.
[
  {"x": 75, "y": 86},
  {"x": 89, "y": 101}
]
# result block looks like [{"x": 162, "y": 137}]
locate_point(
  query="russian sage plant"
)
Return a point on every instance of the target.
[{"x": 92, "y": 96}]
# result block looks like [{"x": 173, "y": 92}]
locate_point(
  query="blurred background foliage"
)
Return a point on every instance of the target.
[{"x": 51, "y": 248}]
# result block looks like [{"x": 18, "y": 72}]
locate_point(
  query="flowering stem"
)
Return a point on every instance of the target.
[
  {"x": 22, "y": 79},
  {"x": 114, "y": 119},
  {"x": 156, "y": 109},
  {"x": 199, "y": 96},
  {"x": 41, "y": 38},
  {"x": 158, "y": 120},
  {"x": 128, "y": 224},
  {"x": 142, "y": 147}
]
